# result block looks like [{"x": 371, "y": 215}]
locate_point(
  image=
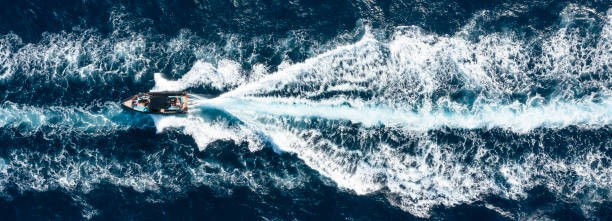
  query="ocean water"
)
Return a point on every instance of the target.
[{"x": 307, "y": 110}]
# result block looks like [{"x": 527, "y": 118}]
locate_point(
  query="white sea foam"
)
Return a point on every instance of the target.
[
  {"x": 84, "y": 57},
  {"x": 515, "y": 116},
  {"x": 88, "y": 56},
  {"x": 410, "y": 80},
  {"x": 65, "y": 119},
  {"x": 162, "y": 174},
  {"x": 226, "y": 74},
  {"x": 436, "y": 173},
  {"x": 204, "y": 132}
]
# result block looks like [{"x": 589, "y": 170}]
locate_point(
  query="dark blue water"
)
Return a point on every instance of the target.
[{"x": 308, "y": 110}]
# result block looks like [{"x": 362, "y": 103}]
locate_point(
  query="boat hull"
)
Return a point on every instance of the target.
[{"x": 167, "y": 102}]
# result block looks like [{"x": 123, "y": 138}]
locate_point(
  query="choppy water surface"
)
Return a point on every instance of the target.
[{"x": 308, "y": 110}]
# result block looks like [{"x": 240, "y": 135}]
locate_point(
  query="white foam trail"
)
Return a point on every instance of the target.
[
  {"x": 414, "y": 68},
  {"x": 205, "y": 131},
  {"x": 515, "y": 116},
  {"x": 408, "y": 82},
  {"x": 437, "y": 175}
]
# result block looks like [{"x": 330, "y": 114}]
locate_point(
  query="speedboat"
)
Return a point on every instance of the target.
[{"x": 167, "y": 102}]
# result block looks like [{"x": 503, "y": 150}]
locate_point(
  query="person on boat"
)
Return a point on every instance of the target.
[{"x": 175, "y": 102}]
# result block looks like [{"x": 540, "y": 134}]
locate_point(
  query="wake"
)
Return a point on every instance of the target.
[
  {"x": 400, "y": 94},
  {"x": 516, "y": 117}
]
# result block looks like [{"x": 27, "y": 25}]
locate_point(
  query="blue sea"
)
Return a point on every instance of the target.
[{"x": 307, "y": 110}]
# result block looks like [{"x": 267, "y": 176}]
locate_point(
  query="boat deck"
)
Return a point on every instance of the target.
[{"x": 158, "y": 103}]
